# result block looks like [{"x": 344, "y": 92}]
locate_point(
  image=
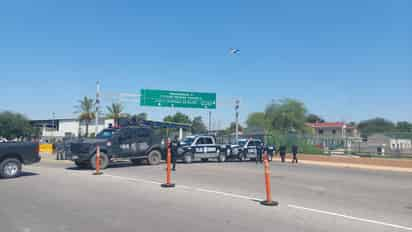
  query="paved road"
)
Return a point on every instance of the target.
[{"x": 54, "y": 196}]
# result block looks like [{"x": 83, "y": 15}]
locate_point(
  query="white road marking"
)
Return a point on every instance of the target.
[
  {"x": 350, "y": 217},
  {"x": 255, "y": 199},
  {"x": 227, "y": 194}
]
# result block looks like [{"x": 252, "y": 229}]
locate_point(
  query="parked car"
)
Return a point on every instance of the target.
[
  {"x": 248, "y": 149},
  {"x": 200, "y": 147},
  {"x": 14, "y": 155},
  {"x": 133, "y": 143}
]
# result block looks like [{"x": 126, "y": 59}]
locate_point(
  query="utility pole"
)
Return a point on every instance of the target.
[
  {"x": 210, "y": 121},
  {"x": 97, "y": 107},
  {"x": 237, "y": 120},
  {"x": 54, "y": 125}
]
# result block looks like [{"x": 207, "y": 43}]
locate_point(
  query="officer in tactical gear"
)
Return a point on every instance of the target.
[{"x": 174, "y": 149}]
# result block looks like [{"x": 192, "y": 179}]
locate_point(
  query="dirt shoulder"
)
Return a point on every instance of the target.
[{"x": 358, "y": 162}]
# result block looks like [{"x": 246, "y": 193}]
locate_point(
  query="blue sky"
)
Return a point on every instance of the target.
[{"x": 346, "y": 60}]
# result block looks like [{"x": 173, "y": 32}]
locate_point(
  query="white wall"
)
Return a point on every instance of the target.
[{"x": 72, "y": 126}]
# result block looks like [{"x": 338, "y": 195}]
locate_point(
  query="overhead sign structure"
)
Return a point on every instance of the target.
[{"x": 178, "y": 99}]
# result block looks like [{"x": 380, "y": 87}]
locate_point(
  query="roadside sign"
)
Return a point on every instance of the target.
[{"x": 178, "y": 99}]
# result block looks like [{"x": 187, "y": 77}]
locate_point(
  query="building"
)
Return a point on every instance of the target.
[
  {"x": 333, "y": 129},
  {"x": 390, "y": 144},
  {"x": 68, "y": 127}
]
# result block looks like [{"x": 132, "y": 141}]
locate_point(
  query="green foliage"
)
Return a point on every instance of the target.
[
  {"x": 286, "y": 115},
  {"x": 178, "y": 118},
  {"x": 139, "y": 117},
  {"x": 257, "y": 122},
  {"x": 198, "y": 127},
  {"x": 232, "y": 128},
  {"x": 313, "y": 118},
  {"x": 15, "y": 125},
  {"x": 278, "y": 138},
  {"x": 376, "y": 125},
  {"x": 115, "y": 112},
  {"x": 404, "y": 127},
  {"x": 86, "y": 110}
]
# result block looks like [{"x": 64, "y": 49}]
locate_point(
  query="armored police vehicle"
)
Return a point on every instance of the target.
[
  {"x": 200, "y": 147},
  {"x": 134, "y": 143}
]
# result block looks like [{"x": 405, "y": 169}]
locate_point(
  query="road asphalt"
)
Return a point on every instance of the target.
[{"x": 57, "y": 197}]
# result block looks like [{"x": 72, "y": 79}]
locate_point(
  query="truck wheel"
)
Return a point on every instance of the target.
[
  {"x": 81, "y": 165},
  {"x": 241, "y": 157},
  {"x": 222, "y": 157},
  {"x": 154, "y": 158},
  {"x": 205, "y": 159},
  {"x": 10, "y": 168},
  {"x": 104, "y": 161},
  {"x": 188, "y": 158}
]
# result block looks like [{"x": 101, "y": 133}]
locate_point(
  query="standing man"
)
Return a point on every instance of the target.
[
  {"x": 295, "y": 149},
  {"x": 174, "y": 149},
  {"x": 282, "y": 152},
  {"x": 259, "y": 151}
]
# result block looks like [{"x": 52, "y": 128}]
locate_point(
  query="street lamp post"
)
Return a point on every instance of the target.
[{"x": 237, "y": 120}]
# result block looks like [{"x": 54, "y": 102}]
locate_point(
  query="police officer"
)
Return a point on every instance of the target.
[
  {"x": 259, "y": 150},
  {"x": 295, "y": 149},
  {"x": 282, "y": 152},
  {"x": 174, "y": 149}
]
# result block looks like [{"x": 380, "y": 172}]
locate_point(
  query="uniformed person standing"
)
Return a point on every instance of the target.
[
  {"x": 259, "y": 155},
  {"x": 282, "y": 152},
  {"x": 174, "y": 149},
  {"x": 295, "y": 149}
]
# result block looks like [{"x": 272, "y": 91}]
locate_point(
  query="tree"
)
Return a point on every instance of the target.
[
  {"x": 313, "y": 118},
  {"x": 232, "y": 128},
  {"x": 139, "y": 117},
  {"x": 376, "y": 125},
  {"x": 178, "y": 118},
  {"x": 15, "y": 125},
  {"x": 404, "y": 126},
  {"x": 198, "y": 126},
  {"x": 257, "y": 121},
  {"x": 286, "y": 115},
  {"x": 86, "y": 111},
  {"x": 115, "y": 112}
]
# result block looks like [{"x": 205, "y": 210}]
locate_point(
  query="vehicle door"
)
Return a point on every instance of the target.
[
  {"x": 252, "y": 149},
  {"x": 141, "y": 141},
  {"x": 198, "y": 148},
  {"x": 210, "y": 147},
  {"x": 125, "y": 142}
]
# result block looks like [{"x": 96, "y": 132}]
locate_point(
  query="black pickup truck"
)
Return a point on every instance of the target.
[
  {"x": 133, "y": 143},
  {"x": 13, "y": 155}
]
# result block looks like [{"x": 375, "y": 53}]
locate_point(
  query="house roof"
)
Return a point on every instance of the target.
[{"x": 329, "y": 125}]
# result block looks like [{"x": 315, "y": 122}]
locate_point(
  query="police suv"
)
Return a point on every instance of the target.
[
  {"x": 247, "y": 149},
  {"x": 200, "y": 147}
]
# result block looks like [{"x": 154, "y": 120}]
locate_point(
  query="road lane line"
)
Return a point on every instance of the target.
[
  {"x": 232, "y": 195},
  {"x": 186, "y": 187},
  {"x": 226, "y": 194},
  {"x": 351, "y": 217}
]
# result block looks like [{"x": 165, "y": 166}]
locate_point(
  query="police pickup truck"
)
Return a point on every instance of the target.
[
  {"x": 248, "y": 149},
  {"x": 132, "y": 142},
  {"x": 13, "y": 155},
  {"x": 201, "y": 147}
]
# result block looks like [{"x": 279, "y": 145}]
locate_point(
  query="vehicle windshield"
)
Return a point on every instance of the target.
[
  {"x": 105, "y": 134},
  {"x": 188, "y": 140},
  {"x": 242, "y": 143}
]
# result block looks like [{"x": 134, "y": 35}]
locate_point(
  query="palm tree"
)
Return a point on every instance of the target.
[
  {"x": 86, "y": 110},
  {"x": 115, "y": 112}
]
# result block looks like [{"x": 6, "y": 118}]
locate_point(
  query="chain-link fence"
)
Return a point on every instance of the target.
[{"x": 385, "y": 145}]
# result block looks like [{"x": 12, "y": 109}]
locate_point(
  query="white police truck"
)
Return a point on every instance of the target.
[{"x": 200, "y": 147}]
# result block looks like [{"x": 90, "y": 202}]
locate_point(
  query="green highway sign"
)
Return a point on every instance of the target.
[{"x": 165, "y": 98}]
